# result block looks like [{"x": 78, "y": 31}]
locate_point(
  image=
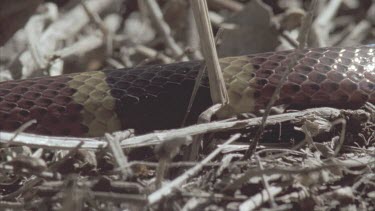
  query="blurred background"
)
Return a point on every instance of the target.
[{"x": 62, "y": 36}]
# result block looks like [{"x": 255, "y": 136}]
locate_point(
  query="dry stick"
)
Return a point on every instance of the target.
[
  {"x": 345, "y": 164},
  {"x": 152, "y": 54},
  {"x": 118, "y": 197},
  {"x": 21, "y": 205},
  {"x": 322, "y": 24},
  {"x": 162, "y": 27},
  {"x": 160, "y": 172},
  {"x": 50, "y": 142},
  {"x": 195, "y": 202},
  {"x": 71, "y": 199},
  {"x": 182, "y": 164},
  {"x": 168, "y": 189},
  {"x": 107, "y": 35},
  {"x": 166, "y": 151},
  {"x": 308, "y": 136},
  {"x": 22, "y": 128},
  {"x": 266, "y": 184},
  {"x": 119, "y": 156},
  {"x": 198, "y": 80},
  {"x": 114, "y": 63},
  {"x": 55, "y": 142},
  {"x": 62, "y": 29},
  {"x": 219, "y": 21},
  {"x": 217, "y": 85},
  {"x": 358, "y": 33},
  {"x": 218, "y": 90},
  {"x": 226, "y": 162},
  {"x": 234, "y": 6},
  {"x": 120, "y": 186},
  {"x": 336, "y": 39},
  {"x": 305, "y": 28},
  {"x": 192, "y": 38},
  {"x": 301, "y": 194},
  {"x": 34, "y": 30},
  {"x": 196, "y": 87},
  {"x": 289, "y": 39},
  {"x": 81, "y": 47},
  {"x": 197, "y": 140},
  {"x": 342, "y": 135},
  {"x": 214, "y": 196},
  {"x": 258, "y": 199}
]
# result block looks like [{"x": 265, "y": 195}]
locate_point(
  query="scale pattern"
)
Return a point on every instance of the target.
[
  {"x": 156, "y": 97},
  {"x": 337, "y": 77}
]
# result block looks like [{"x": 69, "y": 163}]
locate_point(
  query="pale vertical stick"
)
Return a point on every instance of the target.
[{"x": 217, "y": 85}]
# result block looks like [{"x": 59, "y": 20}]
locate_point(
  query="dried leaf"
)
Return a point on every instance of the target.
[
  {"x": 292, "y": 19},
  {"x": 254, "y": 32}
]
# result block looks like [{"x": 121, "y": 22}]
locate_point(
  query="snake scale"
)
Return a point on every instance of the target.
[{"x": 156, "y": 97}]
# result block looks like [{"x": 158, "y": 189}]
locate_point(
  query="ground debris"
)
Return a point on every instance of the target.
[{"x": 316, "y": 159}]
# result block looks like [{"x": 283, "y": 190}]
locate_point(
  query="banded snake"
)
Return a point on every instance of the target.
[{"x": 156, "y": 97}]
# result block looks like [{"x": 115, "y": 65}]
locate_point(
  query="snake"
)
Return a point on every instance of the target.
[{"x": 156, "y": 97}]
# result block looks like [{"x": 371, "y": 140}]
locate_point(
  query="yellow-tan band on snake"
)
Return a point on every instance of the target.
[{"x": 99, "y": 107}]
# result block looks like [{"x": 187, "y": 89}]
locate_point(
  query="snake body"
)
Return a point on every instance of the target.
[{"x": 156, "y": 97}]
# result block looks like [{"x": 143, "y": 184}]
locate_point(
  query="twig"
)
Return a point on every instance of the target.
[
  {"x": 260, "y": 198},
  {"x": 227, "y": 4},
  {"x": 162, "y": 27},
  {"x": 217, "y": 85},
  {"x": 55, "y": 142},
  {"x": 194, "y": 203},
  {"x": 119, "y": 156},
  {"x": 342, "y": 134},
  {"x": 116, "y": 186},
  {"x": 107, "y": 34},
  {"x": 193, "y": 152},
  {"x": 22, "y": 128},
  {"x": 322, "y": 24},
  {"x": 116, "y": 64},
  {"x": 334, "y": 163},
  {"x": 266, "y": 184},
  {"x": 198, "y": 80},
  {"x": 307, "y": 21},
  {"x": 358, "y": 33},
  {"x": 80, "y": 47},
  {"x": 168, "y": 189},
  {"x": 166, "y": 151},
  {"x": 306, "y": 24},
  {"x": 186, "y": 164},
  {"x": 70, "y": 24},
  {"x": 118, "y": 197},
  {"x": 289, "y": 39},
  {"x": 219, "y": 21},
  {"x": 218, "y": 90},
  {"x": 34, "y": 30},
  {"x": 192, "y": 38},
  {"x": 153, "y": 54}
]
